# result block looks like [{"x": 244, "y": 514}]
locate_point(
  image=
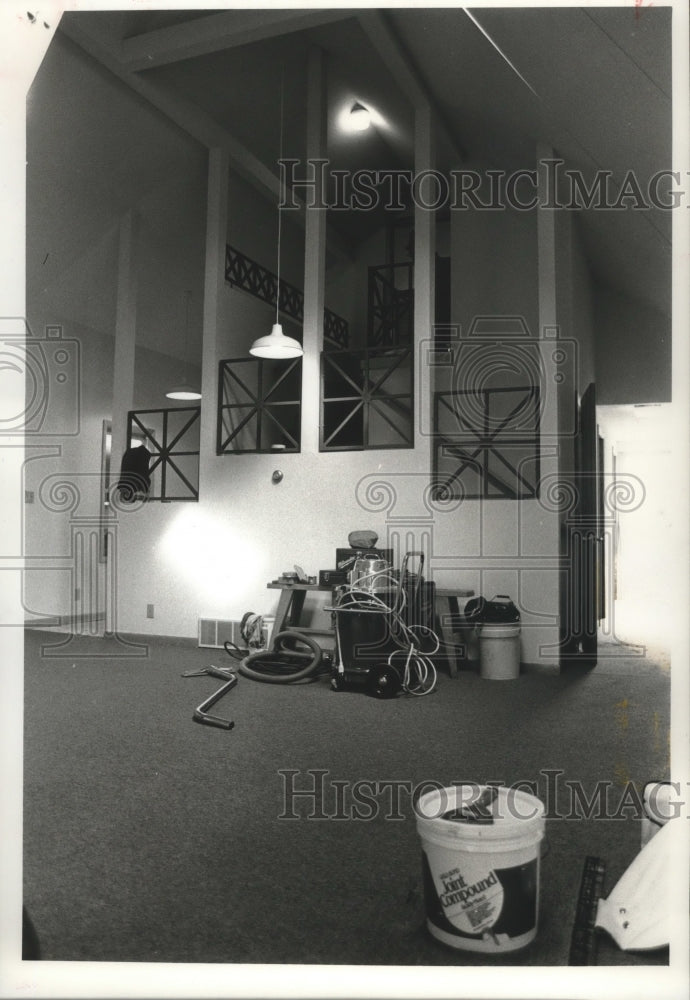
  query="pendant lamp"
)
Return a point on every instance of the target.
[
  {"x": 276, "y": 344},
  {"x": 184, "y": 391}
]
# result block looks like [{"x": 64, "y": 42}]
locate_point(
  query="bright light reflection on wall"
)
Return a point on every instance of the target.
[{"x": 214, "y": 559}]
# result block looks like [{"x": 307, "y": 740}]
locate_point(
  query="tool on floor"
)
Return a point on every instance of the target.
[
  {"x": 201, "y": 712},
  {"x": 637, "y": 913},
  {"x": 583, "y": 942}
]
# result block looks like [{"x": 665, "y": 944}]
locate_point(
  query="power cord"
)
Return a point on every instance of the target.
[{"x": 418, "y": 675}]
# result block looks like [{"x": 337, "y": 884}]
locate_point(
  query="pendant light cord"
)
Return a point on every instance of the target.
[
  {"x": 187, "y": 297},
  {"x": 280, "y": 184}
]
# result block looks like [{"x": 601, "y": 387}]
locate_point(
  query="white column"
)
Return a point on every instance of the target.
[
  {"x": 123, "y": 387},
  {"x": 21, "y": 51},
  {"x": 314, "y": 258},
  {"x": 214, "y": 279},
  {"x": 424, "y": 279},
  {"x": 557, "y": 450},
  {"x": 125, "y": 340}
]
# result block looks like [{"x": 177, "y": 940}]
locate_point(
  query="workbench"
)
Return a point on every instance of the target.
[{"x": 290, "y": 605}]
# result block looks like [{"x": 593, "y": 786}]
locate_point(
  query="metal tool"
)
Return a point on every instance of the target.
[
  {"x": 583, "y": 943},
  {"x": 211, "y": 671},
  {"x": 201, "y": 712}
]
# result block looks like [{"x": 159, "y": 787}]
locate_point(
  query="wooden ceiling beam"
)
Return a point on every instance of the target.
[{"x": 216, "y": 32}]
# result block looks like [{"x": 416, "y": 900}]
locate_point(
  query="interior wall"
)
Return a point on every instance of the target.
[
  {"x": 62, "y": 470},
  {"x": 77, "y": 192},
  {"x": 214, "y": 558},
  {"x": 633, "y": 350},
  {"x": 346, "y": 285},
  {"x": 504, "y": 546}
]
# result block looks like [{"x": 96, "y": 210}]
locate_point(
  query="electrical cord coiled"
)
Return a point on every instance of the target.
[{"x": 418, "y": 673}]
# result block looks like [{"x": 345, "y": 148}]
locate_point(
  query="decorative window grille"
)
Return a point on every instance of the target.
[
  {"x": 244, "y": 273},
  {"x": 391, "y": 305},
  {"x": 367, "y": 399},
  {"x": 486, "y": 443},
  {"x": 259, "y": 406},
  {"x": 171, "y": 436}
]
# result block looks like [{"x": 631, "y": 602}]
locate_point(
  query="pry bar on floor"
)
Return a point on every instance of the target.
[{"x": 201, "y": 713}]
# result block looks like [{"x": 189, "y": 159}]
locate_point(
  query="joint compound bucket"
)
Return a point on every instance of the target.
[
  {"x": 481, "y": 867},
  {"x": 499, "y": 652}
]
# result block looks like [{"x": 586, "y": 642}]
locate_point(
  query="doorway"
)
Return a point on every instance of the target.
[{"x": 638, "y": 466}]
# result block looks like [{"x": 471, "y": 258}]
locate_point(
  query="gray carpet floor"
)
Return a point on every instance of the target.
[{"x": 149, "y": 838}]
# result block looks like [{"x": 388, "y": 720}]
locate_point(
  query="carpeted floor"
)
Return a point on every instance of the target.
[{"x": 149, "y": 838}]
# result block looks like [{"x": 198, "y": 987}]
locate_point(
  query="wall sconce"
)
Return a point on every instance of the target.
[{"x": 359, "y": 119}]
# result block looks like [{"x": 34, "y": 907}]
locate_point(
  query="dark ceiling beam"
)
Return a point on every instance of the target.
[
  {"x": 216, "y": 32},
  {"x": 200, "y": 126},
  {"x": 378, "y": 29}
]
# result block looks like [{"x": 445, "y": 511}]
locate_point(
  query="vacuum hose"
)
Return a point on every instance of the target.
[{"x": 279, "y": 665}]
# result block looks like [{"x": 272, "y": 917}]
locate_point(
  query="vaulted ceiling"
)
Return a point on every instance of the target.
[{"x": 593, "y": 84}]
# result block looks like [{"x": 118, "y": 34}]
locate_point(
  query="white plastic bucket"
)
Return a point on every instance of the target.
[
  {"x": 499, "y": 652},
  {"x": 481, "y": 879}
]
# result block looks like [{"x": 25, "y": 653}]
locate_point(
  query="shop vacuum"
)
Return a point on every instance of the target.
[{"x": 383, "y": 625}]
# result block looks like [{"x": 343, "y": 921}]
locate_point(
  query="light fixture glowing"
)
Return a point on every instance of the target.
[
  {"x": 360, "y": 119},
  {"x": 276, "y": 344},
  {"x": 185, "y": 392}
]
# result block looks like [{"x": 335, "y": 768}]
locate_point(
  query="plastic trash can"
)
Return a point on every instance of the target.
[{"x": 499, "y": 651}]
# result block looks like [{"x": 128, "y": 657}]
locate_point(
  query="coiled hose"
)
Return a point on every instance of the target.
[{"x": 281, "y": 665}]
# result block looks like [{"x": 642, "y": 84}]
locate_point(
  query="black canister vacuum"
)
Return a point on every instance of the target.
[{"x": 382, "y": 645}]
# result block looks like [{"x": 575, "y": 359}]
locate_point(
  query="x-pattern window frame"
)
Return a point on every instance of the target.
[
  {"x": 366, "y": 397},
  {"x": 258, "y": 405},
  {"x": 163, "y": 454},
  {"x": 474, "y": 447}
]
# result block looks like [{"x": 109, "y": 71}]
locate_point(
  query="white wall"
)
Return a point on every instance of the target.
[
  {"x": 77, "y": 191},
  {"x": 504, "y": 546}
]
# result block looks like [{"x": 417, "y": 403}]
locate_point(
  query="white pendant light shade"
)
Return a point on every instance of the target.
[
  {"x": 276, "y": 345},
  {"x": 185, "y": 392}
]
